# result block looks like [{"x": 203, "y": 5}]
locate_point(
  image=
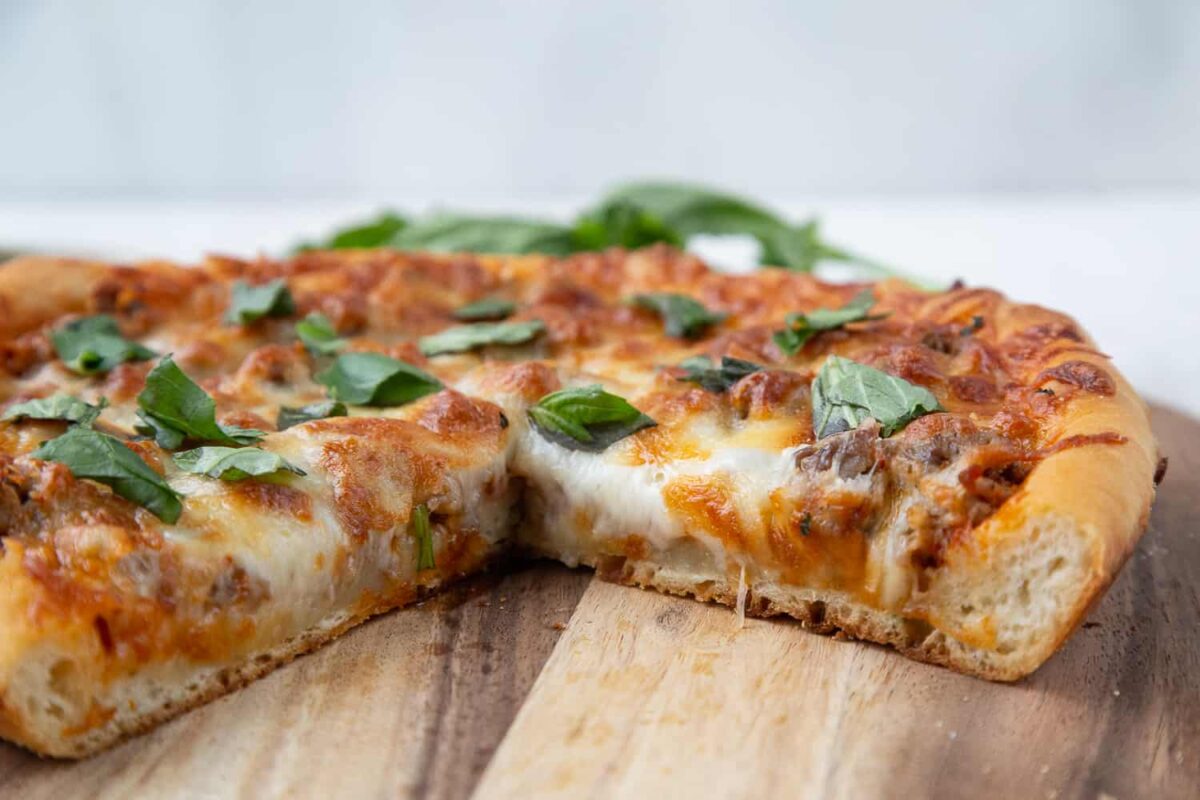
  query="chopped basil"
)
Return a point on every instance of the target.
[
  {"x": 318, "y": 334},
  {"x": 424, "y": 537},
  {"x": 174, "y": 409},
  {"x": 233, "y": 463},
  {"x": 290, "y": 416},
  {"x": 249, "y": 303},
  {"x": 846, "y": 393},
  {"x": 102, "y": 458},
  {"x": 462, "y": 338},
  {"x": 682, "y": 316},
  {"x": 89, "y": 345},
  {"x": 717, "y": 379},
  {"x": 489, "y": 308},
  {"x": 802, "y": 327},
  {"x": 587, "y": 418},
  {"x": 63, "y": 407},
  {"x": 373, "y": 379}
]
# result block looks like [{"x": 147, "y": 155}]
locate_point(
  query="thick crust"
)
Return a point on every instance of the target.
[{"x": 995, "y": 599}]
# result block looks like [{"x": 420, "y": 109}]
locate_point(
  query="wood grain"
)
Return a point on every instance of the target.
[
  {"x": 410, "y": 704},
  {"x": 645, "y": 695},
  {"x": 653, "y": 696}
]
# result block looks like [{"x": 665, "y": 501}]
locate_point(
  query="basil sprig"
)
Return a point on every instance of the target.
[
  {"x": 635, "y": 215},
  {"x": 317, "y": 333},
  {"x": 290, "y": 416},
  {"x": 373, "y": 379},
  {"x": 717, "y": 379},
  {"x": 91, "y": 345},
  {"x": 845, "y": 394},
  {"x": 377, "y": 232},
  {"x": 462, "y": 338},
  {"x": 63, "y": 407},
  {"x": 802, "y": 327},
  {"x": 489, "y": 308},
  {"x": 96, "y": 456},
  {"x": 424, "y": 537},
  {"x": 233, "y": 463},
  {"x": 174, "y": 409},
  {"x": 586, "y": 418},
  {"x": 249, "y": 303},
  {"x": 683, "y": 316}
]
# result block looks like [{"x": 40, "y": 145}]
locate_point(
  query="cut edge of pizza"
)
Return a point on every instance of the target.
[{"x": 973, "y": 531}]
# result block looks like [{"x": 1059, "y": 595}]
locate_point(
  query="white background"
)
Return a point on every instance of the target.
[{"x": 1051, "y": 149}]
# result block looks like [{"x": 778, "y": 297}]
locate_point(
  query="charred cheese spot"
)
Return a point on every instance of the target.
[
  {"x": 467, "y": 419},
  {"x": 1082, "y": 374},
  {"x": 770, "y": 393},
  {"x": 530, "y": 380},
  {"x": 272, "y": 498}
]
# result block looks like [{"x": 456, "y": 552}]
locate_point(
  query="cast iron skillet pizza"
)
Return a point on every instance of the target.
[{"x": 207, "y": 471}]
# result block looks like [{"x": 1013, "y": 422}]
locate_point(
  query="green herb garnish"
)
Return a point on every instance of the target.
[
  {"x": 373, "y": 379},
  {"x": 635, "y": 215},
  {"x": 682, "y": 316},
  {"x": 91, "y": 345},
  {"x": 489, "y": 308},
  {"x": 173, "y": 408},
  {"x": 700, "y": 369},
  {"x": 318, "y": 334},
  {"x": 845, "y": 394},
  {"x": 233, "y": 463},
  {"x": 291, "y": 416},
  {"x": 802, "y": 327},
  {"x": 249, "y": 303},
  {"x": 377, "y": 232},
  {"x": 102, "y": 458},
  {"x": 462, "y": 338},
  {"x": 587, "y": 418},
  {"x": 423, "y": 536},
  {"x": 64, "y": 407}
]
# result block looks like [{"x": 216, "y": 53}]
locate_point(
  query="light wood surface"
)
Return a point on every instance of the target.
[{"x": 649, "y": 696}]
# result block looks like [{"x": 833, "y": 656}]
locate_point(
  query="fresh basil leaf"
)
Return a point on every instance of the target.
[
  {"x": 174, "y": 408},
  {"x": 318, "y": 334},
  {"x": 802, "y": 327},
  {"x": 249, "y": 303},
  {"x": 89, "y": 345},
  {"x": 700, "y": 369},
  {"x": 462, "y": 338},
  {"x": 587, "y": 418},
  {"x": 489, "y": 308},
  {"x": 377, "y": 232},
  {"x": 373, "y": 379},
  {"x": 424, "y": 537},
  {"x": 63, "y": 407},
  {"x": 682, "y": 316},
  {"x": 233, "y": 463},
  {"x": 621, "y": 224},
  {"x": 466, "y": 234},
  {"x": 691, "y": 210},
  {"x": 845, "y": 394},
  {"x": 102, "y": 458},
  {"x": 289, "y": 416}
]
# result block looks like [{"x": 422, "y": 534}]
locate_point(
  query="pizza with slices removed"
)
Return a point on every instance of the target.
[{"x": 206, "y": 471}]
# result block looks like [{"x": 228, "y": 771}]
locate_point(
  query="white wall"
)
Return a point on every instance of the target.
[{"x": 299, "y": 99}]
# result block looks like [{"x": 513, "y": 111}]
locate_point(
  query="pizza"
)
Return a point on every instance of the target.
[{"x": 209, "y": 470}]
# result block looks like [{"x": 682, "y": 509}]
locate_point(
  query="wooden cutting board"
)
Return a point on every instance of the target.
[{"x": 548, "y": 683}]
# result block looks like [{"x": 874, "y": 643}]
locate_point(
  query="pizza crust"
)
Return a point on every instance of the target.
[{"x": 1002, "y": 602}]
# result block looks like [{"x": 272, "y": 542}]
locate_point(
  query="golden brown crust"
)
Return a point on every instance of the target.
[{"x": 1048, "y": 495}]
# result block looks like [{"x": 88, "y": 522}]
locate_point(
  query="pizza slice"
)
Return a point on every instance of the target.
[{"x": 210, "y": 470}]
